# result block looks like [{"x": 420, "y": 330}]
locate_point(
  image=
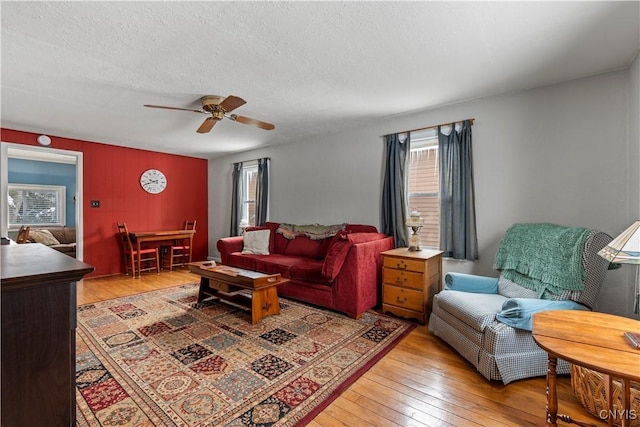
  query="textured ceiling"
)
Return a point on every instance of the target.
[{"x": 84, "y": 69}]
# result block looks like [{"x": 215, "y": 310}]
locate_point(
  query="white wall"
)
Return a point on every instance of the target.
[
  {"x": 558, "y": 154},
  {"x": 634, "y": 172}
]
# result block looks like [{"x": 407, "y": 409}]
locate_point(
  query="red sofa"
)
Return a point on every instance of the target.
[{"x": 342, "y": 272}]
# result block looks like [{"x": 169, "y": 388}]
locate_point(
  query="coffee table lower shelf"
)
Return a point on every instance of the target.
[{"x": 262, "y": 299}]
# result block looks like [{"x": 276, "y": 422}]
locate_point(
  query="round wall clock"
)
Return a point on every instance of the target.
[{"x": 153, "y": 181}]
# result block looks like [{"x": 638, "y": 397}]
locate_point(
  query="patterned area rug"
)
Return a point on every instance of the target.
[{"x": 162, "y": 359}]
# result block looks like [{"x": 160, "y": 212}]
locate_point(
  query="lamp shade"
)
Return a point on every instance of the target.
[
  {"x": 624, "y": 249},
  {"x": 415, "y": 220}
]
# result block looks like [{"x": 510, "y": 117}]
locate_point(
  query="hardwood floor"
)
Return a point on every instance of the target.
[
  {"x": 421, "y": 382},
  {"x": 109, "y": 287}
]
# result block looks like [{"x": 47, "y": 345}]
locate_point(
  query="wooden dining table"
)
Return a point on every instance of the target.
[{"x": 140, "y": 237}]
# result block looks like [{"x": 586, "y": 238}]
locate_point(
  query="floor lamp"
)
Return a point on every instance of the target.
[{"x": 625, "y": 249}]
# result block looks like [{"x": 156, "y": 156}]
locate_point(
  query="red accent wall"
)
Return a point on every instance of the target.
[{"x": 112, "y": 176}]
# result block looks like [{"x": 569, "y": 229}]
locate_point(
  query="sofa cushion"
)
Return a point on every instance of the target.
[
  {"x": 276, "y": 264},
  {"x": 305, "y": 247},
  {"x": 246, "y": 261},
  {"x": 279, "y": 242},
  {"x": 309, "y": 270},
  {"x": 476, "y": 310},
  {"x": 64, "y": 234},
  {"x": 511, "y": 289},
  {"x": 43, "y": 236},
  {"x": 65, "y": 248},
  {"x": 288, "y": 231},
  {"x": 256, "y": 242},
  {"x": 70, "y": 235}
]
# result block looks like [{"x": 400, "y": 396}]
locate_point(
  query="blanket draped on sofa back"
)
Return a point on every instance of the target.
[
  {"x": 546, "y": 258},
  {"x": 312, "y": 231}
]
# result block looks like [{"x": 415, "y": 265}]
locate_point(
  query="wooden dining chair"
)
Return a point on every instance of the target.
[
  {"x": 23, "y": 234},
  {"x": 131, "y": 254},
  {"x": 180, "y": 251}
]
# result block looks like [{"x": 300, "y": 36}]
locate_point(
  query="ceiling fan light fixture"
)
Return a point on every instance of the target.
[
  {"x": 219, "y": 107},
  {"x": 210, "y": 102}
]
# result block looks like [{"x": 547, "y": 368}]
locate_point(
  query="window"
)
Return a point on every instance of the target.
[
  {"x": 424, "y": 185},
  {"x": 249, "y": 185},
  {"x": 36, "y": 205}
]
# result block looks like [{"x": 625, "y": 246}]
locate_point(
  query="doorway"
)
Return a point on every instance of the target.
[{"x": 42, "y": 154}]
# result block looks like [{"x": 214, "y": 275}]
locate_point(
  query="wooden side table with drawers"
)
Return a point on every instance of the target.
[{"x": 409, "y": 281}]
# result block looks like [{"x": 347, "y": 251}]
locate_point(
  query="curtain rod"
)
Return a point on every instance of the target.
[
  {"x": 432, "y": 127},
  {"x": 254, "y": 160}
]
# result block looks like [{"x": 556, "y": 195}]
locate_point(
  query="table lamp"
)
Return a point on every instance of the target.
[
  {"x": 415, "y": 222},
  {"x": 625, "y": 249}
]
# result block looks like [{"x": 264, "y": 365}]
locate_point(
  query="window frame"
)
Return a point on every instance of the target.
[
  {"x": 246, "y": 200},
  {"x": 424, "y": 140},
  {"x": 60, "y": 201}
]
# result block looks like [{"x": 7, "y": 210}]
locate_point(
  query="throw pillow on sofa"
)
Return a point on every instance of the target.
[
  {"x": 43, "y": 236},
  {"x": 336, "y": 255},
  {"x": 256, "y": 242}
]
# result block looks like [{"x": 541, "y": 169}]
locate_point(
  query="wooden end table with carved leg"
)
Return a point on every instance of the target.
[
  {"x": 595, "y": 341},
  {"x": 231, "y": 283}
]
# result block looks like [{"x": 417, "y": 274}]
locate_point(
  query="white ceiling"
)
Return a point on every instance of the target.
[{"x": 84, "y": 69}]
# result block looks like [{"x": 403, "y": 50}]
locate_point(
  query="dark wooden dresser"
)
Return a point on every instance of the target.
[{"x": 38, "y": 335}]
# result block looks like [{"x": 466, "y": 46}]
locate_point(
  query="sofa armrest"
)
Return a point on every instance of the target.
[
  {"x": 518, "y": 312},
  {"x": 357, "y": 287},
  {"x": 228, "y": 245},
  {"x": 471, "y": 283}
]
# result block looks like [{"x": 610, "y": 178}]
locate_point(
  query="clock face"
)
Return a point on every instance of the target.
[{"x": 153, "y": 181}]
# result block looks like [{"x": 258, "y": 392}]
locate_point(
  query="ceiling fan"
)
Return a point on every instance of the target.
[{"x": 219, "y": 107}]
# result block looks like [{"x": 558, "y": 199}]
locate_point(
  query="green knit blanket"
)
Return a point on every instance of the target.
[{"x": 545, "y": 258}]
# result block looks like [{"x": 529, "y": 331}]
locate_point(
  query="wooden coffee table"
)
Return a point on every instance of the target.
[
  {"x": 230, "y": 284},
  {"x": 595, "y": 341}
]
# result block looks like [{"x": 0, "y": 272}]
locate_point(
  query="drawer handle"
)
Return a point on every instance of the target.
[
  {"x": 401, "y": 265},
  {"x": 401, "y": 280},
  {"x": 401, "y": 300}
]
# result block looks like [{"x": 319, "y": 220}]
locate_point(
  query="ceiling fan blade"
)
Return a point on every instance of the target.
[
  {"x": 231, "y": 102},
  {"x": 207, "y": 125},
  {"x": 253, "y": 122},
  {"x": 174, "y": 108}
]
